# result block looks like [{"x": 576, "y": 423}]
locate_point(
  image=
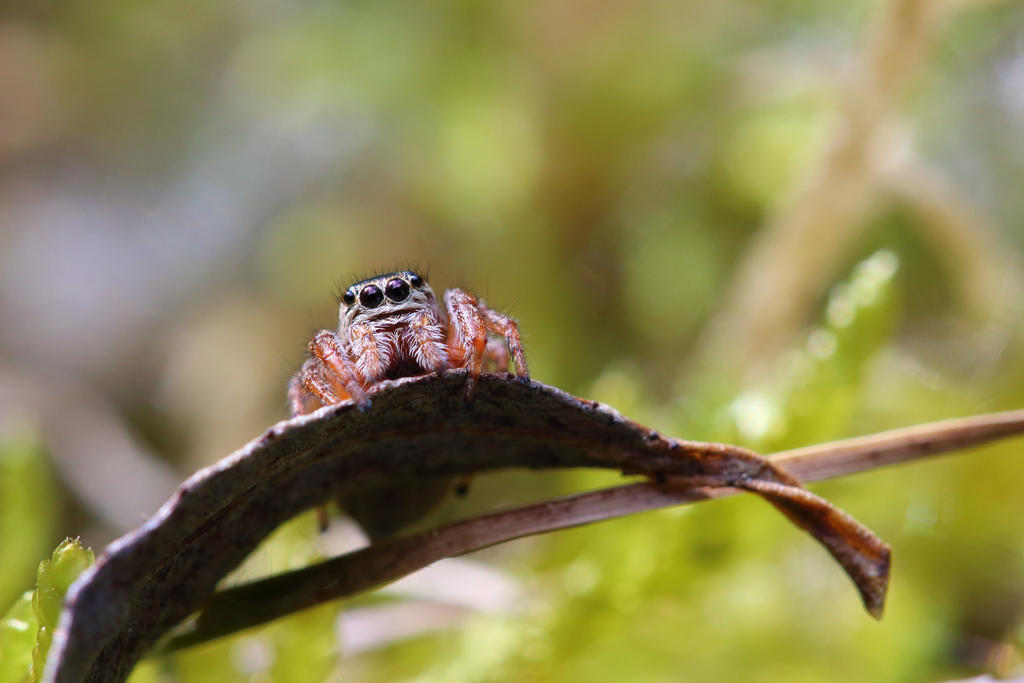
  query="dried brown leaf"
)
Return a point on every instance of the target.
[{"x": 151, "y": 579}]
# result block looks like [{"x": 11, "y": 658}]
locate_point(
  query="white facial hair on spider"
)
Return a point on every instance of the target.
[{"x": 393, "y": 327}]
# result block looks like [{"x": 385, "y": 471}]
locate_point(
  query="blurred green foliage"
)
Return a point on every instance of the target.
[
  {"x": 813, "y": 394},
  {"x": 600, "y": 170},
  {"x": 17, "y": 638},
  {"x": 28, "y": 508}
]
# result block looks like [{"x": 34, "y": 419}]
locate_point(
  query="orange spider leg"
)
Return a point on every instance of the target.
[
  {"x": 467, "y": 334},
  {"x": 300, "y": 399},
  {"x": 313, "y": 386},
  {"x": 426, "y": 340},
  {"x": 506, "y": 327},
  {"x": 372, "y": 357},
  {"x": 327, "y": 349}
]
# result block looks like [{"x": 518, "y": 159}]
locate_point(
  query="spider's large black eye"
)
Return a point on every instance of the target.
[
  {"x": 371, "y": 296},
  {"x": 415, "y": 280},
  {"x": 349, "y": 297},
  {"x": 397, "y": 289}
]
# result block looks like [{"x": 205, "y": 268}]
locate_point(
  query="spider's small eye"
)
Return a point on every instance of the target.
[
  {"x": 348, "y": 297},
  {"x": 371, "y": 296},
  {"x": 397, "y": 289},
  {"x": 415, "y": 280}
]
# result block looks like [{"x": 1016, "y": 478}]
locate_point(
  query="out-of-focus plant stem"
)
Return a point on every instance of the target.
[
  {"x": 796, "y": 253},
  {"x": 987, "y": 275}
]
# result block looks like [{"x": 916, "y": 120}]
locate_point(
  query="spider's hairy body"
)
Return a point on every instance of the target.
[{"x": 390, "y": 326}]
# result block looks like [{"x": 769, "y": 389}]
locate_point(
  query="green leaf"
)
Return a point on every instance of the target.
[{"x": 17, "y": 637}]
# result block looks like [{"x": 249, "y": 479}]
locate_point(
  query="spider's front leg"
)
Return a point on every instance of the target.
[
  {"x": 469, "y": 321},
  {"x": 331, "y": 365},
  {"x": 372, "y": 352},
  {"x": 425, "y": 339},
  {"x": 309, "y": 389}
]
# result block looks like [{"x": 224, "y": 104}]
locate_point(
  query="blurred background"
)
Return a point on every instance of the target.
[{"x": 770, "y": 223}]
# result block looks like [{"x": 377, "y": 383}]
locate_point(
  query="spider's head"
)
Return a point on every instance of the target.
[{"x": 383, "y": 296}]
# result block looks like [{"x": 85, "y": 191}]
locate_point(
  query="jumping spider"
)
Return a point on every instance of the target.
[{"x": 391, "y": 326}]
